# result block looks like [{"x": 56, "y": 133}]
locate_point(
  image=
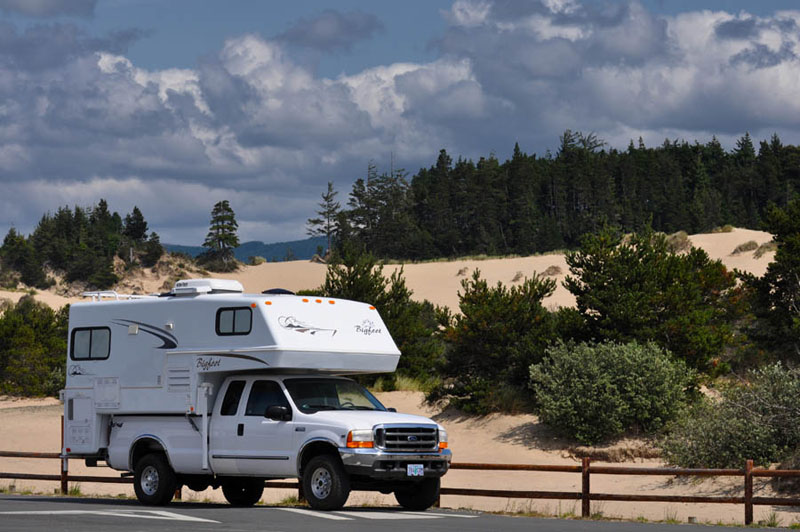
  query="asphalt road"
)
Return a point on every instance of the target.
[{"x": 31, "y": 513}]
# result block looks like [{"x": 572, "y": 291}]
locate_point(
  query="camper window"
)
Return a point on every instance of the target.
[
  {"x": 264, "y": 394},
  {"x": 230, "y": 404},
  {"x": 90, "y": 343},
  {"x": 233, "y": 321}
]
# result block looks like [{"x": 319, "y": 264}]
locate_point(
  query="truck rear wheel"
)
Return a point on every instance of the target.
[
  {"x": 153, "y": 480},
  {"x": 325, "y": 483},
  {"x": 419, "y": 496},
  {"x": 243, "y": 491}
]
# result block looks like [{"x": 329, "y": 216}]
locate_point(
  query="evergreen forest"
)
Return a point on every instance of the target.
[
  {"x": 531, "y": 204},
  {"x": 79, "y": 244}
]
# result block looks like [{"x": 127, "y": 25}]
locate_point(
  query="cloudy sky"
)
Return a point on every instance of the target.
[{"x": 173, "y": 106}]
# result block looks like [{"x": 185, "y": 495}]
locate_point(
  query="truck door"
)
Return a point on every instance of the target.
[
  {"x": 224, "y": 442},
  {"x": 266, "y": 445}
]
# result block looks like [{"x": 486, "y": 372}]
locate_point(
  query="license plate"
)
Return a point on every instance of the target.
[{"x": 416, "y": 470}]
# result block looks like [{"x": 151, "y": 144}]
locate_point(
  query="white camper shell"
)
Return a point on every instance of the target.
[{"x": 169, "y": 353}]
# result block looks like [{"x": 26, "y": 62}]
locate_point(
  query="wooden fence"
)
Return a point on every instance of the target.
[{"x": 585, "y": 495}]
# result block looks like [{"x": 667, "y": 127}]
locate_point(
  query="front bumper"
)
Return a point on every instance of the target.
[{"x": 379, "y": 464}]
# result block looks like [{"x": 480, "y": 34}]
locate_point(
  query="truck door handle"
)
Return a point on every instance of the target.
[{"x": 240, "y": 429}]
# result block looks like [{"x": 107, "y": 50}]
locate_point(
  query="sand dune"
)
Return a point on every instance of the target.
[{"x": 439, "y": 282}]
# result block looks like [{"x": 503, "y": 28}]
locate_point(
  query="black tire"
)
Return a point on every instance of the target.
[
  {"x": 154, "y": 480},
  {"x": 419, "y": 496},
  {"x": 243, "y": 491},
  {"x": 326, "y": 486}
]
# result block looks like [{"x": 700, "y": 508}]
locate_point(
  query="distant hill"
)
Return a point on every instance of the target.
[{"x": 301, "y": 249}]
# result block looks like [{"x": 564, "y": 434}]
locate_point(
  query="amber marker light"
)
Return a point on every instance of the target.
[
  {"x": 371, "y": 307},
  {"x": 267, "y": 302},
  {"x": 318, "y": 300},
  {"x": 332, "y": 302},
  {"x": 253, "y": 305},
  {"x": 359, "y": 439},
  {"x": 305, "y": 300}
]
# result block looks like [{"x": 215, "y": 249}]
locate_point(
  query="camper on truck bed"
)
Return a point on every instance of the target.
[{"x": 208, "y": 386}]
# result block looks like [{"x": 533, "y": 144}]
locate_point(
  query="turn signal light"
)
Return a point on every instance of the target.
[
  {"x": 442, "y": 445},
  {"x": 359, "y": 439}
]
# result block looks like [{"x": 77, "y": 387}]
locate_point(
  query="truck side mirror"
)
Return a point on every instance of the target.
[
  {"x": 278, "y": 413},
  {"x": 390, "y": 409}
]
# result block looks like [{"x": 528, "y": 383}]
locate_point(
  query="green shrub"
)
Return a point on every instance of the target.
[
  {"x": 33, "y": 343},
  {"x": 500, "y": 332},
  {"x": 595, "y": 392},
  {"x": 756, "y": 419},
  {"x": 717, "y": 436}
]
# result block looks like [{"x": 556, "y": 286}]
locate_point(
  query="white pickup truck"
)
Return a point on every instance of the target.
[{"x": 208, "y": 387}]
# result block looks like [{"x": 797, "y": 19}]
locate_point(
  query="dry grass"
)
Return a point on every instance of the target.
[
  {"x": 723, "y": 229},
  {"x": 552, "y": 271},
  {"x": 766, "y": 247},
  {"x": 679, "y": 242},
  {"x": 750, "y": 245}
]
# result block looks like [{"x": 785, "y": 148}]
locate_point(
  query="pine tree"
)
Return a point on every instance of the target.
[
  {"x": 221, "y": 239},
  {"x": 328, "y": 223},
  {"x": 135, "y": 226}
]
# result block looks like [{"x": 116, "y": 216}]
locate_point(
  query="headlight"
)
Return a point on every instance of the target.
[
  {"x": 360, "y": 439},
  {"x": 442, "y": 439}
]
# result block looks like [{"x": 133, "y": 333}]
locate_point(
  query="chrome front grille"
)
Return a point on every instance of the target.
[{"x": 407, "y": 438}]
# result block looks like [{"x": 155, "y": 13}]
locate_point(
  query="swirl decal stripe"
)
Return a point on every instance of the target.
[{"x": 169, "y": 341}]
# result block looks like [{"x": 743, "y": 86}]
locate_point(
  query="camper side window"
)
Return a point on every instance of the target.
[
  {"x": 90, "y": 343},
  {"x": 230, "y": 404},
  {"x": 233, "y": 321}
]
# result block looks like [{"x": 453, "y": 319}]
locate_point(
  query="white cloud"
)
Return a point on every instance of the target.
[{"x": 254, "y": 125}]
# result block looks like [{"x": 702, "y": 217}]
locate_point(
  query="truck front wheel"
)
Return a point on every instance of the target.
[
  {"x": 243, "y": 491},
  {"x": 325, "y": 483},
  {"x": 153, "y": 480},
  {"x": 420, "y": 496}
]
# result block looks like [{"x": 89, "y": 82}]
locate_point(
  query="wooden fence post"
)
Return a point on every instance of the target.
[
  {"x": 748, "y": 492},
  {"x": 64, "y": 463},
  {"x": 585, "y": 503}
]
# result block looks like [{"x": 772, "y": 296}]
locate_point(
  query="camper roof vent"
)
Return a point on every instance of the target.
[{"x": 207, "y": 286}]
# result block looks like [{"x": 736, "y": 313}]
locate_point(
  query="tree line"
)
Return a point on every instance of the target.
[
  {"x": 81, "y": 244},
  {"x": 530, "y": 204}
]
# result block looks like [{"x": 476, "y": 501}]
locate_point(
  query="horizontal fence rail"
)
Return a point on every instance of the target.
[{"x": 585, "y": 495}]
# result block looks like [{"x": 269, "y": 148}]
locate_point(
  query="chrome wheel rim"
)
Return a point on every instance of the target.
[
  {"x": 149, "y": 481},
  {"x": 321, "y": 482}
]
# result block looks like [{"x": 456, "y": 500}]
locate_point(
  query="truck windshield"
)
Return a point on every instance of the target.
[{"x": 313, "y": 395}]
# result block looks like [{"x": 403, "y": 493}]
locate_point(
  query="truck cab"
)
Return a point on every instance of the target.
[{"x": 208, "y": 387}]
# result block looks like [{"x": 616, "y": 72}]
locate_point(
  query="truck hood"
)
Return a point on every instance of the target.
[{"x": 365, "y": 419}]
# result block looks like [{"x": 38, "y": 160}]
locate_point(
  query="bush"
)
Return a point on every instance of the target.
[
  {"x": 500, "y": 332},
  {"x": 756, "y": 419},
  {"x": 33, "y": 341},
  {"x": 717, "y": 436},
  {"x": 595, "y": 392}
]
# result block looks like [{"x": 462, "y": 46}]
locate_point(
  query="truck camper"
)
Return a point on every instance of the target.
[{"x": 205, "y": 386}]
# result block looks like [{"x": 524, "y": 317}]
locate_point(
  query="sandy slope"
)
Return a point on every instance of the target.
[
  {"x": 35, "y": 426},
  {"x": 439, "y": 282}
]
